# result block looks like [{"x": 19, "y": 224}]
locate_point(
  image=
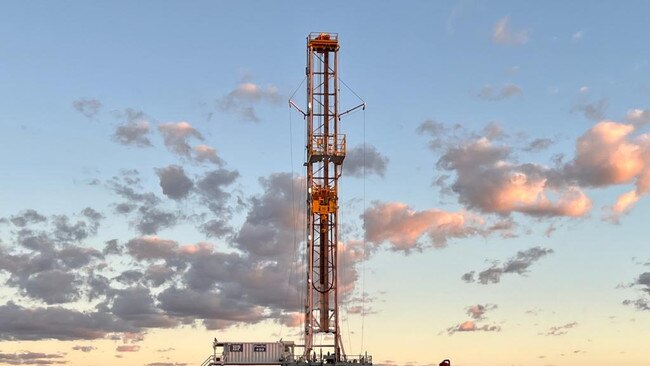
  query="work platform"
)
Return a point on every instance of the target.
[{"x": 280, "y": 353}]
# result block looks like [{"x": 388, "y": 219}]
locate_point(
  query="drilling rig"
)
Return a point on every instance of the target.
[{"x": 326, "y": 149}]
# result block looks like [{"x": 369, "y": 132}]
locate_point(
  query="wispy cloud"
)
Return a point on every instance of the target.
[
  {"x": 561, "y": 329},
  {"x": 503, "y": 34},
  {"x": 494, "y": 93},
  {"x": 245, "y": 96},
  {"x": 518, "y": 264},
  {"x": 87, "y": 107}
]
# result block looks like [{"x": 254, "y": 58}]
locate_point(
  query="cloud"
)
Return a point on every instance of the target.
[
  {"x": 41, "y": 260},
  {"x": 494, "y": 93},
  {"x": 20, "y": 323},
  {"x": 577, "y": 36},
  {"x": 128, "y": 348},
  {"x": 242, "y": 99},
  {"x": 594, "y": 111},
  {"x": 134, "y": 132},
  {"x": 518, "y": 264},
  {"x": 561, "y": 329},
  {"x": 403, "y": 227},
  {"x": 208, "y": 305},
  {"x": 478, "y": 311},
  {"x": 367, "y": 157},
  {"x": 211, "y": 188},
  {"x": 502, "y": 34},
  {"x": 147, "y": 216},
  {"x": 471, "y": 326},
  {"x": 52, "y": 286},
  {"x": 31, "y": 358},
  {"x": 204, "y": 153},
  {"x": 176, "y": 136},
  {"x": 174, "y": 183},
  {"x": 292, "y": 320},
  {"x": 638, "y": 117},
  {"x": 27, "y": 217},
  {"x": 84, "y": 348},
  {"x": 607, "y": 155},
  {"x": 486, "y": 181},
  {"x": 643, "y": 303},
  {"x": 151, "y": 248},
  {"x": 87, "y": 107},
  {"x": 539, "y": 144},
  {"x": 151, "y": 220},
  {"x": 136, "y": 305}
]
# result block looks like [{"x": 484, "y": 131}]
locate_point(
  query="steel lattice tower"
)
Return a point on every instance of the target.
[
  {"x": 324, "y": 158},
  {"x": 325, "y": 154}
]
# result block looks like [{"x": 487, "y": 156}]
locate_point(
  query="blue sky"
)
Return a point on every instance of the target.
[{"x": 483, "y": 79}]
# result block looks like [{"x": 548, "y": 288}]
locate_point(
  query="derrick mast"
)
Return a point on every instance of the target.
[
  {"x": 324, "y": 159},
  {"x": 325, "y": 155}
]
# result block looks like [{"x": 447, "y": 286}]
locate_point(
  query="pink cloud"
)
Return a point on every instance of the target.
[
  {"x": 128, "y": 348},
  {"x": 403, "y": 227}
]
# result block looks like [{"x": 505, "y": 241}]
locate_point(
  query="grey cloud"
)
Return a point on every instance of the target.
[
  {"x": 539, "y": 144},
  {"x": 216, "y": 228},
  {"x": 211, "y": 187},
  {"x": 493, "y": 131},
  {"x": 642, "y": 303},
  {"x": 31, "y": 358},
  {"x": 176, "y": 136},
  {"x": 478, "y": 311},
  {"x": 204, "y": 153},
  {"x": 87, "y": 107},
  {"x": 518, "y": 264},
  {"x": 151, "y": 220},
  {"x": 174, "y": 183},
  {"x": 133, "y": 133},
  {"x": 367, "y": 157},
  {"x": 157, "y": 275},
  {"x": 20, "y": 323},
  {"x": 468, "y": 277},
  {"x": 638, "y": 117},
  {"x": 53, "y": 287},
  {"x": 208, "y": 305},
  {"x": 112, "y": 247},
  {"x": 594, "y": 111},
  {"x": 151, "y": 248},
  {"x": 84, "y": 348},
  {"x": 273, "y": 217},
  {"x": 242, "y": 99},
  {"x": 495, "y": 93},
  {"x": 27, "y": 217},
  {"x": 561, "y": 329},
  {"x": 129, "y": 277},
  {"x": 644, "y": 280},
  {"x": 148, "y": 217},
  {"x": 137, "y": 306}
]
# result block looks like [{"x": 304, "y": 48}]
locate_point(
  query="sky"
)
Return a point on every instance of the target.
[{"x": 493, "y": 197}]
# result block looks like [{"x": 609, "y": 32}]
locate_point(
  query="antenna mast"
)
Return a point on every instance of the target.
[{"x": 325, "y": 154}]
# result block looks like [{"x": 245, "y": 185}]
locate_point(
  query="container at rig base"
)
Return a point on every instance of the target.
[{"x": 256, "y": 353}]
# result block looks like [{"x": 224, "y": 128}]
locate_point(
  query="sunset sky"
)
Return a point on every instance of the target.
[{"x": 152, "y": 187}]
